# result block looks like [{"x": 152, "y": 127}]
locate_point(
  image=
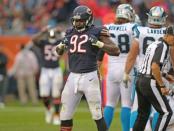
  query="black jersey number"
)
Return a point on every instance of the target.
[
  {"x": 123, "y": 43},
  {"x": 77, "y": 42},
  {"x": 147, "y": 41},
  {"x": 49, "y": 54}
]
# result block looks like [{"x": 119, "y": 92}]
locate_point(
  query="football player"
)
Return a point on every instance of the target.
[
  {"x": 143, "y": 37},
  {"x": 82, "y": 42},
  {"x": 121, "y": 33},
  {"x": 51, "y": 77}
]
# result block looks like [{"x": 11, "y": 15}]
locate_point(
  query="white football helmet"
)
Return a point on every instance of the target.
[
  {"x": 157, "y": 16},
  {"x": 125, "y": 11}
]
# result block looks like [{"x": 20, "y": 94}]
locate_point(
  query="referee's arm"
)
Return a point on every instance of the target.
[
  {"x": 172, "y": 56},
  {"x": 156, "y": 66},
  {"x": 157, "y": 74}
]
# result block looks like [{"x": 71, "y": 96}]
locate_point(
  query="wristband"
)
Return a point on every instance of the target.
[{"x": 100, "y": 44}]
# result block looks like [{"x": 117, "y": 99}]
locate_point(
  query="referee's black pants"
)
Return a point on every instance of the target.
[{"x": 149, "y": 94}]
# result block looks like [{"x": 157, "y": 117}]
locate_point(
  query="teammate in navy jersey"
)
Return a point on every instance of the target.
[
  {"x": 51, "y": 78},
  {"x": 82, "y": 43}
]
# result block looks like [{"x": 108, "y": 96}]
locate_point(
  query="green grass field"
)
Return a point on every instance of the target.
[{"x": 15, "y": 117}]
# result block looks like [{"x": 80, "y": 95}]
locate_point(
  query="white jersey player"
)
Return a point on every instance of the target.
[
  {"x": 143, "y": 37},
  {"x": 122, "y": 34}
]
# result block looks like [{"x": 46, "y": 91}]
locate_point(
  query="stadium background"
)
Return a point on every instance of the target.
[{"x": 20, "y": 19}]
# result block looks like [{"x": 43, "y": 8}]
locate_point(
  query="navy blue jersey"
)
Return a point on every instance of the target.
[
  {"x": 82, "y": 55},
  {"x": 50, "y": 60}
]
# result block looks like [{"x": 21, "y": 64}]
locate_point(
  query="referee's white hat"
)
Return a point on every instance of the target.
[{"x": 170, "y": 30}]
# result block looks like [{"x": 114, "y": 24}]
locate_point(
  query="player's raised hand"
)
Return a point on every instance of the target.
[
  {"x": 95, "y": 41},
  {"x": 126, "y": 79}
]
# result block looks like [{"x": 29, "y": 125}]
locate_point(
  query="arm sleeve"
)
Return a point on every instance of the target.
[{"x": 158, "y": 58}]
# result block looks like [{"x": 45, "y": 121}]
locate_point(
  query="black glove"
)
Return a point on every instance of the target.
[{"x": 93, "y": 39}]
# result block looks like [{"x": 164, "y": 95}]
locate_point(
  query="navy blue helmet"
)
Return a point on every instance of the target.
[{"x": 82, "y": 18}]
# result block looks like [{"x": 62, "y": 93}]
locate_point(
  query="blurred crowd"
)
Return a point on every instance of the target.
[{"x": 26, "y": 17}]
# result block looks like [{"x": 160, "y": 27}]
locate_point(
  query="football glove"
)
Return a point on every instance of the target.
[
  {"x": 61, "y": 45},
  {"x": 95, "y": 41},
  {"x": 126, "y": 79}
]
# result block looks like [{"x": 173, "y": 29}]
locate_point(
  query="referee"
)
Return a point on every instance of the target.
[{"x": 150, "y": 86}]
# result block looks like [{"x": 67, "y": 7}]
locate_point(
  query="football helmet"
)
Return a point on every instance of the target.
[
  {"x": 157, "y": 16},
  {"x": 82, "y": 18},
  {"x": 125, "y": 11}
]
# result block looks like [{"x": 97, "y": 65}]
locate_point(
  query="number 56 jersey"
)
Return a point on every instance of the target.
[
  {"x": 122, "y": 35},
  {"x": 145, "y": 36}
]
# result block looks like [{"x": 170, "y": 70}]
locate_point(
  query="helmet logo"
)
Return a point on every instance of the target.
[
  {"x": 89, "y": 11},
  {"x": 157, "y": 16}
]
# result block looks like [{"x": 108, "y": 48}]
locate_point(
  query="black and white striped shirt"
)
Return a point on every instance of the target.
[{"x": 157, "y": 52}]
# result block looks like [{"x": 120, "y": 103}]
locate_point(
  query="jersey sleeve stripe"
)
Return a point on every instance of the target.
[{"x": 163, "y": 53}]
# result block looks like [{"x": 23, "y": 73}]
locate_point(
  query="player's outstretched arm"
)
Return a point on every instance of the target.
[{"x": 109, "y": 46}]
